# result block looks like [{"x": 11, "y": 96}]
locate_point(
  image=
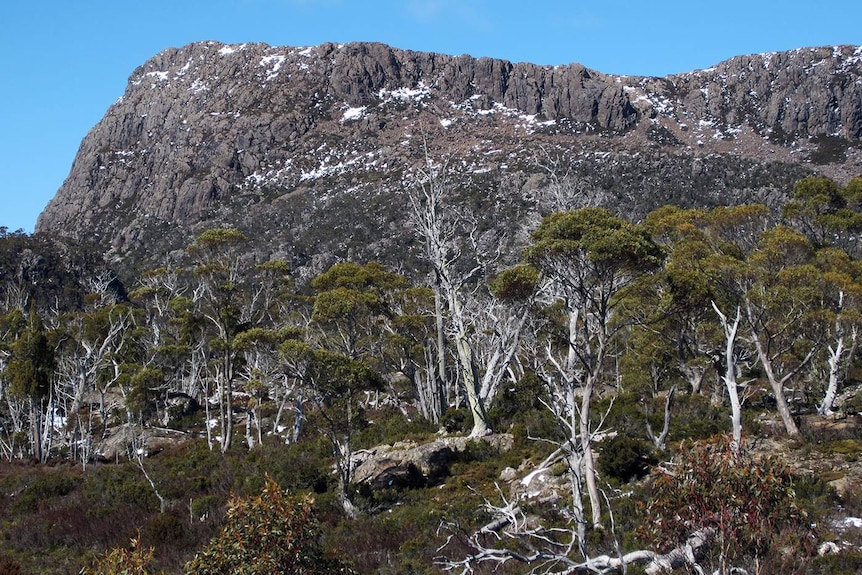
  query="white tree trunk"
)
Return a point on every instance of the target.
[{"x": 730, "y": 332}]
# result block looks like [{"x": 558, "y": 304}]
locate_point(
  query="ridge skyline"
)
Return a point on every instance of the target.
[{"x": 68, "y": 63}]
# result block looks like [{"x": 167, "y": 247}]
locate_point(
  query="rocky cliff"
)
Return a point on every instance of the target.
[{"x": 310, "y": 150}]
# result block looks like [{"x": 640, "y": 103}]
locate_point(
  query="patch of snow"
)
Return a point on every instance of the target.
[
  {"x": 58, "y": 421},
  {"x": 417, "y": 94},
  {"x": 445, "y": 122},
  {"x": 846, "y": 63},
  {"x": 158, "y": 76},
  {"x": 352, "y": 114},
  {"x": 198, "y": 86},
  {"x": 326, "y": 168},
  {"x": 850, "y": 522},
  {"x": 228, "y": 50},
  {"x": 274, "y": 63},
  {"x": 182, "y": 71}
]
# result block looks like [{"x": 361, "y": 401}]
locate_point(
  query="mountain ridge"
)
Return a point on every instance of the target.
[{"x": 271, "y": 138}]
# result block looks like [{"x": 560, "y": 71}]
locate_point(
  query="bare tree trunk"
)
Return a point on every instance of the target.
[
  {"x": 777, "y": 390},
  {"x": 661, "y": 441},
  {"x": 439, "y": 326},
  {"x": 297, "y": 421},
  {"x": 836, "y": 365},
  {"x": 694, "y": 375},
  {"x": 36, "y": 428},
  {"x": 589, "y": 459},
  {"x": 730, "y": 332}
]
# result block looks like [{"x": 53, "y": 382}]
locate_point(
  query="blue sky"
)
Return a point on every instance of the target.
[{"x": 63, "y": 62}]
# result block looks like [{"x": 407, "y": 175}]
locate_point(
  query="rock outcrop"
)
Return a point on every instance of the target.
[
  {"x": 280, "y": 140},
  {"x": 410, "y": 464}
]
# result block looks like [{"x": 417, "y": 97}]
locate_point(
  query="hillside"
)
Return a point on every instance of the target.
[
  {"x": 352, "y": 309},
  {"x": 284, "y": 142}
]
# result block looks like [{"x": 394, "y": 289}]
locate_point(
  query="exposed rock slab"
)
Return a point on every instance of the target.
[{"x": 411, "y": 464}]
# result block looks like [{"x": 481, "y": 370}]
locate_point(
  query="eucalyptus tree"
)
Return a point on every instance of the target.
[
  {"x": 782, "y": 307},
  {"x": 90, "y": 345},
  {"x": 13, "y": 416},
  {"x": 842, "y": 305},
  {"x": 30, "y": 372},
  {"x": 725, "y": 239},
  {"x": 353, "y": 304},
  {"x": 336, "y": 382},
  {"x": 828, "y": 214},
  {"x": 262, "y": 374},
  {"x": 588, "y": 258},
  {"x": 410, "y": 350},
  {"x": 219, "y": 268},
  {"x": 171, "y": 341},
  {"x": 674, "y": 315}
]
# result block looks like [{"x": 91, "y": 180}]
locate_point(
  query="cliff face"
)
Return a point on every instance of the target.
[{"x": 283, "y": 141}]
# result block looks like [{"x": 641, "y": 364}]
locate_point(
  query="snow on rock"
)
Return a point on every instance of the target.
[
  {"x": 850, "y": 523},
  {"x": 274, "y": 63},
  {"x": 228, "y": 50},
  {"x": 417, "y": 94},
  {"x": 351, "y": 114}
]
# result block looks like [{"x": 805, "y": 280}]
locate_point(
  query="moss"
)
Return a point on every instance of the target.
[{"x": 850, "y": 449}]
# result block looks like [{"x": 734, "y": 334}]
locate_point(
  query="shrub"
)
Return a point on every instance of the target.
[
  {"x": 9, "y": 566},
  {"x": 119, "y": 561},
  {"x": 43, "y": 488},
  {"x": 267, "y": 534},
  {"x": 748, "y": 504},
  {"x": 164, "y": 528},
  {"x": 625, "y": 458}
]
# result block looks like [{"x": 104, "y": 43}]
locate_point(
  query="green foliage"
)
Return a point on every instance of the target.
[
  {"x": 121, "y": 486},
  {"x": 519, "y": 404},
  {"x": 825, "y": 212},
  {"x": 43, "y": 489},
  {"x": 694, "y": 417},
  {"x": 47, "y": 271},
  {"x": 850, "y": 449},
  {"x": 369, "y": 277},
  {"x": 609, "y": 242},
  {"x": 216, "y": 238},
  {"x": 267, "y": 534},
  {"x": 844, "y": 563},
  {"x": 456, "y": 420},
  {"x": 389, "y": 425},
  {"x": 518, "y": 283},
  {"x": 31, "y": 366},
  {"x": 145, "y": 384},
  {"x": 625, "y": 458}
]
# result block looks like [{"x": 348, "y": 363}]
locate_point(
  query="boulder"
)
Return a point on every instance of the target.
[{"x": 411, "y": 464}]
